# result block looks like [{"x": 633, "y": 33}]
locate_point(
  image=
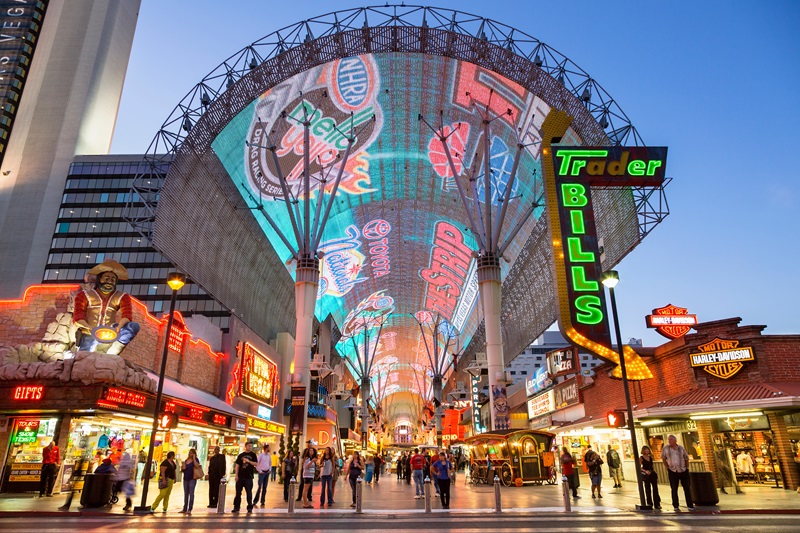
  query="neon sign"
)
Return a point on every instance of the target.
[
  {"x": 613, "y": 166},
  {"x": 123, "y": 397},
  {"x": 259, "y": 377},
  {"x": 562, "y": 361},
  {"x": 29, "y": 392},
  {"x": 581, "y": 299},
  {"x": 722, "y": 358},
  {"x": 671, "y": 321},
  {"x": 476, "y": 411},
  {"x": 26, "y": 431},
  {"x": 447, "y": 272},
  {"x": 220, "y": 420}
]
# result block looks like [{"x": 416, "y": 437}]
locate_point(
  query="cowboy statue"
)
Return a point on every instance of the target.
[{"x": 106, "y": 308}]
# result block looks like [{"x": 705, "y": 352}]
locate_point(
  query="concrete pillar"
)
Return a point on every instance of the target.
[
  {"x": 305, "y": 295},
  {"x": 704, "y": 431},
  {"x": 783, "y": 451},
  {"x": 490, "y": 291}
]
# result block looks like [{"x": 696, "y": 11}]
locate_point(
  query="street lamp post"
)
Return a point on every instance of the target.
[
  {"x": 610, "y": 280},
  {"x": 175, "y": 281}
]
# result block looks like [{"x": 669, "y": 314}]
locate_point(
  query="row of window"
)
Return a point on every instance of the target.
[
  {"x": 81, "y": 198},
  {"x": 102, "y": 243},
  {"x": 91, "y": 212},
  {"x": 126, "y": 258},
  {"x": 94, "y": 227},
  {"x": 98, "y": 183},
  {"x": 120, "y": 168},
  {"x": 70, "y": 274}
]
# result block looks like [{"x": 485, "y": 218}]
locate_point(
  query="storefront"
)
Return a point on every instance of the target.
[
  {"x": 261, "y": 431},
  {"x": 93, "y": 422}
]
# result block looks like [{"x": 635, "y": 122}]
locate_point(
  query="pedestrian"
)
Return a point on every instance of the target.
[
  {"x": 452, "y": 459},
  {"x": 51, "y": 459},
  {"x": 326, "y": 476},
  {"x": 399, "y": 465},
  {"x": 677, "y": 460},
  {"x": 300, "y": 464},
  {"x": 353, "y": 470},
  {"x": 724, "y": 474},
  {"x": 568, "y": 471},
  {"x": 370, "y": 469},
  {"x": 166, "y": 479},
  {"x": 264, "y": 470},
  {"x": 244, "y": 468},
  {"x": 125, "y": 473},
  {"x": 614, "y": 466},
  {"x": 288, "y": 471},
  {"x": 650, "y": 478},
  {"x": 142, "y": 460},
  {"x": 276, "y": 462},
  {"x": 594, "y": 463},
  {"x": 417, "y": 465},
  {"x": 337, "y": 466},
  {"x": 309, "y": 471},
  {"x": 378, "y": 461},
  {"x": 441, "y": 470},
  {"x": 217, "y": 468},
  {"x": 407, "y": 470},
  {"x": 190, "y": 475}
]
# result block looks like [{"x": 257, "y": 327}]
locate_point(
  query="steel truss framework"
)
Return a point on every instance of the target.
[{"x": 528, "y": 303}]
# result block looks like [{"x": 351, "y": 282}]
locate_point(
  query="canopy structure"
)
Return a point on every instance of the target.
[{"x": 396, "y": 245}]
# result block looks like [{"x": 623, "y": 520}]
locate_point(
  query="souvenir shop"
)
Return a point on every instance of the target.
[{"x": 747, "y": 445}]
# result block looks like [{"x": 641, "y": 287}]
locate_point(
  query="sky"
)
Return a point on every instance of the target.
[{"x": 715, "y": 81}]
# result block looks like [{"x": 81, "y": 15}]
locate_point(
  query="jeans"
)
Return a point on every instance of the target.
[
  {"x": 353, "y": 484},
  {"x": 163, "y": 495},
  {"x": 418, "y": 482},
  {"x": 327, "y": 482},
  {"x": 286, "y": 479},
  {"x": 274, "y": 472},
  {"x": 47, "y": 479},
  {"x": 125, "y": 335},
  {"x": 189, "y": 483},
  {"x": 247, "y": 485},
  {"x": 683, "y": 479},
  {"x": 444, "y": 492},
  {"x": 263, "y": 481},
  {"x": 651, "y": 490}
]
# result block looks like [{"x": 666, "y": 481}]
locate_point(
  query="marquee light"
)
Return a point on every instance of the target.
[
  {"x": 583, "y": 317},
  {"x": 727, "y": 415}
]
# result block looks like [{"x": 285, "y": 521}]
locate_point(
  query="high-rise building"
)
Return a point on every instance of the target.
[
  {"x": 73, "y": 67},
  {"x": 90, "y": 229}
]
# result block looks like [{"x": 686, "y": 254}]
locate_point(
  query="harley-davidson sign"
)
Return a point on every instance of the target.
[
  {"x": 671, "y": 321},
  {"x": 722, "y": 358}
]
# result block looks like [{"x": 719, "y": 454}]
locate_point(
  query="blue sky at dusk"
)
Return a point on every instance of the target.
[{"x": 717, "y": 82}]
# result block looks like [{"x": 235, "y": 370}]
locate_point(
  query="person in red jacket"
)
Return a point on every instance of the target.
[{"x": 417, "y": 463}]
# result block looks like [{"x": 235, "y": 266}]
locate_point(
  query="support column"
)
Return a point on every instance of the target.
[
  {"x": 704, "y": 432},
  {"x": 305, "y": 296},
  {"x": 783, "y": 451},
  {"x": 490, "y": 291},
  {"x": 437, "y": 395},
  {"x": 364, "y": 413}
]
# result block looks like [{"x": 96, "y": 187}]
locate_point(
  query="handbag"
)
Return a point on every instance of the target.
[
  {"x": 162, "y": 483},
  {"x": 198, "y": 471}
]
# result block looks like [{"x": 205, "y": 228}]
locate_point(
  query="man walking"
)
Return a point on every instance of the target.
[
  {"x": 417, "y": 464},
  {"x": 245, "y": 467},
  {"x": 217, "y": 466},
  {"x": 614, "y": 466},
  {"x": 677, "y": 461},
  {"x": 264, "y": 467},
  {"x": 51, "y": 459}
]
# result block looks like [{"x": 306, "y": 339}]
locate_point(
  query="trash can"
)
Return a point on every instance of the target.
[
  {"x": 704, "y": 492},
  {"x": 96, "y": 490}
]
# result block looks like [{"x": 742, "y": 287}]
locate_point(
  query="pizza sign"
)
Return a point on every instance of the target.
[{"x": 722, "y": 358}]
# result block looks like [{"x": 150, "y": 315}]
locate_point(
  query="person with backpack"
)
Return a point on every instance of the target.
[
  {"x": 614, "y": 466},
  {"x": 594, "y": 464}
]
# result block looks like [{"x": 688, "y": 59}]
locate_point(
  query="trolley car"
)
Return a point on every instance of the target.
[{"x": 515, "y": 456}]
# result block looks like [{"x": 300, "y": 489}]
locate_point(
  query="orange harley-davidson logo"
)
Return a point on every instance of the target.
[
  {"x": 671, "y": 321},
  {"x": 722, "y": 358}
]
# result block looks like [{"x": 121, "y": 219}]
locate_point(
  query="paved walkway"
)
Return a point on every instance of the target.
[{"x": 391, "y": 495}]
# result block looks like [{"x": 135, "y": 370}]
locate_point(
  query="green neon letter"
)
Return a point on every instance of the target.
[
  {"x": 588, "y": 309},
  {"x": 567, "y": 155},
  {"x": 652, "y": 166},
  {"x": 579, "y": 281},
  {"x": 573, "y": 195},
  {"x": 576, "y": 218},
  {"x": 636, "y": 167},
  {"x": 576, "y": 254}
]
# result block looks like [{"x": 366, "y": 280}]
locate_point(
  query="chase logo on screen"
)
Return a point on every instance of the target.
[{"x": 353, "y": 83}]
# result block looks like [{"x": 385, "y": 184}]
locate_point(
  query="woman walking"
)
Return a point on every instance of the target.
[
  {"x": 354, "y": 469},
  {"x": 288, "y": 471},
  {"x": 309, "y": 471},
  {"x": 166, "y": 478},
  {"x": 264, "y": 467},
  {"x": 326, "y": 476},
  {"x": 568, "y": 471},
  {"x": 190, "y": 480},
  {"x": 650, "y": 478}
]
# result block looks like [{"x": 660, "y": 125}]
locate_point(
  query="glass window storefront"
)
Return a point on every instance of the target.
[{"x": 24, "y": 461}]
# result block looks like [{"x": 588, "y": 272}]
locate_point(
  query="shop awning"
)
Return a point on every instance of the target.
[
  {"x": 178, "y": 390},
  {"x": 752, "y": 395}
]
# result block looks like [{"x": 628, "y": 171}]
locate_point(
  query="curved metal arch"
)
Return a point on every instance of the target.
[{"x": 399, "y": 28}]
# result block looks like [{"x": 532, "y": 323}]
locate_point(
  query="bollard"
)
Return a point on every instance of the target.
[
  {"x": 565, "y": 490},
  {"x": 223, "y": 488},
  {"x": 292, "y": 489},
  {"x": 427, "y": 491},
  {"x": 497, "y": 505},
  {"x": 359, "y": 494}
]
